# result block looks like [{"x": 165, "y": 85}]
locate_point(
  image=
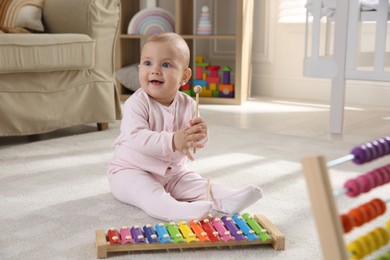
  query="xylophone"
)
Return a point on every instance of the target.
[
  {"x": 330, "y": 224},
  {"x": 237, "y": 230}
]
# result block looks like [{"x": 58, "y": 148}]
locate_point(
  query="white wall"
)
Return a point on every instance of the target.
[{"x": 278, "y": 51}]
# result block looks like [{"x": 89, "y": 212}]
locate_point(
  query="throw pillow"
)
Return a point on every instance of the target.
[
  {"x": 21, "y": 15},
  {"x": 128, "y": 77}
]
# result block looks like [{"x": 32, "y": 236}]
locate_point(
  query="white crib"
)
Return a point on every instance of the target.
[{"x": 346, "y": 60}]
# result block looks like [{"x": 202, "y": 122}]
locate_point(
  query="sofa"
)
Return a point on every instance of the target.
[{"x": 59, "y": 73}]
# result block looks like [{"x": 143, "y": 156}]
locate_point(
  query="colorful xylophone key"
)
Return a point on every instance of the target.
[
  {"x": 259, "y": 230},
  {"x": 126, "y": 237},
  {"x": 150, "y": 234},
  {"x": 241, "y": 223},
  {"x": 187, "y": 232},
  {"x": 223, "y": 232},
  {"x": 137, "y": 235},
  {"x": 174, "y": 232},
  {"x": 162, "y": 233},
  {"x": 113, "y": 236},
  {"x": 201, "y": 234},
  {"x": 210, "y": 230},
  {"x": 233, "y": 229}
]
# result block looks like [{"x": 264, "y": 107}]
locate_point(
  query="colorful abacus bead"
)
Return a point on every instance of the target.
[
  {"x": 162, "y": 233},
  {"x": 241, "y": 223},
  {"x": 222, "y": 231},
  {"x": 126, "y": 237},
  {"x": 196, "y": 226},
  {"x": 174, "y": 232},
  {"x": 210, "y": 230},
  {"x": 359, "y": 216},
  {"x": 385, "y": 173},
  {"x": 371, "y": 150},
  {"x": 150, "y": 234},
  {"x": 188, "y": 235},
  {"x": 356, "y": 249},
  {"x": 259, "y": 230},
  {"x": 113, "y": 236},
  {"x": 233, "y": 229},
  {"x": 136, "y": 233},
  {"x": 347, "y": 222},
  {"x": 366, "y": 184},
  {"x": 353, "y": 188},
  {"x": 370, "y": 247}
]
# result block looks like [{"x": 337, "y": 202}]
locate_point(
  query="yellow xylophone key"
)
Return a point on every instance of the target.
[{"x": 188, "y": 235}]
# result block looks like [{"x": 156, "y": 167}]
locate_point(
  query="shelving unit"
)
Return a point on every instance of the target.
[{"x": 129, "y": 45}]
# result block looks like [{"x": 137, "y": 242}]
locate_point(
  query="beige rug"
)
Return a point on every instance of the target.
[{"x": 54, "y": 193}]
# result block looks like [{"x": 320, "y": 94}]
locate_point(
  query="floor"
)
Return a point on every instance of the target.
[
  {"x": 272, "y": 115},
  {"x": 67, "y": 176},
  {"x": 301, "y": 118}
]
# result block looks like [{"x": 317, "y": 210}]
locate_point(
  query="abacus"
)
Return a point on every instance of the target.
[
  {"x": 330, "y": 225},
  {"x": 237, "y": 230}
]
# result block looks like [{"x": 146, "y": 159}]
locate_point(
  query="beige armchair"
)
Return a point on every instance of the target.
[{"x": 63, "y": 76}]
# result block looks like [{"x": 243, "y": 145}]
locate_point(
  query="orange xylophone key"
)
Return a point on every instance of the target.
[{"x": 199, "y": 231}]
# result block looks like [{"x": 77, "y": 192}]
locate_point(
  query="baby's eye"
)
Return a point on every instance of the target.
[
  {"x": 166, "y": 65},
  {"x": 147, "y": 63}
]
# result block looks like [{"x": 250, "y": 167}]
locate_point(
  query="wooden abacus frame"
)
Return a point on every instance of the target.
[
  {"x": 103, "y": 246},
  {"x": 324, "y": 208}
]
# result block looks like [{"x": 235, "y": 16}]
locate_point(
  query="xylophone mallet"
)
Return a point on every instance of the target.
[
  {"x": 197, "y": 90},
  {"x": 365, "y": 152}
]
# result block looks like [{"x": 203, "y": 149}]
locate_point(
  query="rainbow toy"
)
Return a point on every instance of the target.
[
  {"x": 151, "y": 20},
  {"x": 209, "y": 232}
]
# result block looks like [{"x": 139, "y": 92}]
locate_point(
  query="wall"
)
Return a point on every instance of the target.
[{"x": 278, "y": 51}]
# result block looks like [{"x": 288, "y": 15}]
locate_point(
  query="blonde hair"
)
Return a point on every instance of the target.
[{"x": 175, "y": 40}]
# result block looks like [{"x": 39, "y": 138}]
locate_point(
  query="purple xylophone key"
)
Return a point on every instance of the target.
[
  {"x": 232, "y": 227},
  {"x": 137, "y": 234}
]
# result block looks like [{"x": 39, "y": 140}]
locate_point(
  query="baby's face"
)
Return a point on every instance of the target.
[{"x": 162, "y": 70}]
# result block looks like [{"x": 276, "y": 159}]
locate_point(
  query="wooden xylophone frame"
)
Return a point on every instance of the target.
[{"x": 103, "y": 246}]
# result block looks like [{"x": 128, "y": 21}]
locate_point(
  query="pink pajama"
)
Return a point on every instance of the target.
[
  {"x": 145, "y": 171},
  {"x": 169, "y": 198}
]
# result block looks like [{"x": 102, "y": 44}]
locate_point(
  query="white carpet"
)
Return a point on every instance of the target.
[{"x": 54, "y": 193}]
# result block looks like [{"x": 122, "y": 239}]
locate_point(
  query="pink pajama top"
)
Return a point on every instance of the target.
[{"x": 147, "y": 128}]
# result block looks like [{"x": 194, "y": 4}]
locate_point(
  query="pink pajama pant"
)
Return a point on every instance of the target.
[{"x": 181, "y": 195}]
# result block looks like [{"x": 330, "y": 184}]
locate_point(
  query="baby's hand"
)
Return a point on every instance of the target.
[{"x": 187, "y": 138}]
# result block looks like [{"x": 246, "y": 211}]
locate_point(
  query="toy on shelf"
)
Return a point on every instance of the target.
[
  {"x": 151, "y": 20},
  {"x": 207, "y": 76},
  {"x": 210, "y": 232},
  {"x": 204, "y": 24}
]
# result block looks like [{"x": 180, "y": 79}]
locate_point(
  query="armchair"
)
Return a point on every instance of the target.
[{"x": 63, "y": 76}]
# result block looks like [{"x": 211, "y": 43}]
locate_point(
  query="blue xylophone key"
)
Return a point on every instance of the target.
[
  {"x": 136, "y": 233},
  {"x": 241, "y": 223},
  {"x": 162, "y": 233},
  {"x": 232, "y": 227},
  {"x": 150, "y": 234}
]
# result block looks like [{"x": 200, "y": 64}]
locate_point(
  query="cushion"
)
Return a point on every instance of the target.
[
  {"x": 39, "y": 52},
  {"x": 21, "y": 15},
  {"x": 128, "y": 77}
]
